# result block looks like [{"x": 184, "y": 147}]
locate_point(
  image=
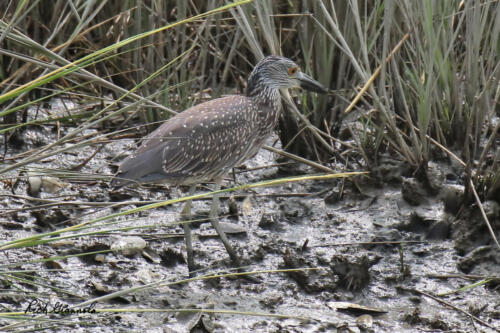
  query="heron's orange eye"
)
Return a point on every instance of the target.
[{"x": 292, "y": 70}]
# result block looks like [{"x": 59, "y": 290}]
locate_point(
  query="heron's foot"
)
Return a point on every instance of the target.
[
  {"x": 186, "y": 217},
  {"x": 214, "y": 220},
  {"x": 235, "y": 259}
]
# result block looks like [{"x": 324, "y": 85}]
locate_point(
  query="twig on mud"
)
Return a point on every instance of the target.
[
  {"x": 371, "y": 243},
  {"x": 87, "y": 160},
  {"x": 299, "y": 159},
  {"x": 463, "y": 276},
  {"x": 455, "y": 308}
]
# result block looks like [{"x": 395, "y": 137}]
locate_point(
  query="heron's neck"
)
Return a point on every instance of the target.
[
  {"x": 268, "y": 102},
  {"x": 262, "y": 93}
]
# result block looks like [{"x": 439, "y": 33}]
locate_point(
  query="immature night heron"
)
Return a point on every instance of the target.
[{"x": 206, "y": 141}]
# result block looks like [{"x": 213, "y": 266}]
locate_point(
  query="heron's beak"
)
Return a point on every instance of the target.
[{"x": 307, "y": 82}]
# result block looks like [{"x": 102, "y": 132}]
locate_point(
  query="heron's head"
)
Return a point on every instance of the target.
[{"x": 277, "y": 72}]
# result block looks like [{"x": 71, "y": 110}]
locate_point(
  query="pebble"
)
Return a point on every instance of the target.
[{"x": 128, "y": 246}]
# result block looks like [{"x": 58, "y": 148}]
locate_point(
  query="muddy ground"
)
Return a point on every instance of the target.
[{"x": 383, "y": 246}]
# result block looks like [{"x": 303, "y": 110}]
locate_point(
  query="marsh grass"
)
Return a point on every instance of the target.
[{"x": 441, "y": 83}]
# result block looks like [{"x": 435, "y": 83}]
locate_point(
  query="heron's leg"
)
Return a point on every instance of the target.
[
  {"x": 214, "y": 219},
  {"x": 186, "y": 216}
]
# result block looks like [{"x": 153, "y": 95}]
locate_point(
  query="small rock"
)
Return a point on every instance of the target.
[
  {"x": 53, "y": 265},
  {"x": 207, "y": 323},
  {"x": 492, "y": 209},
  {"x": 99, "y": 288},
  {"x": 435, "y": 177},
  {"x": 232, "y": 228},
  {"x": 413, "y": 192},
  {"x": 233, "y": 207},
  {"x": 145, "y": 276},
  {"x": 34, "y": 185},
  {"x": 364, "y": 322},
  {"x": 49, "y": 184},
  {"x": 52, "y": 184},
  {"x": 332, "y": 198},
  {"x": 452, "y": 197},
  {"x": 100, "y": 257},
  {"x": 128, "y": 246},
  {"x": 268, "y": 221},
  {"x": 247, "y": 205}
]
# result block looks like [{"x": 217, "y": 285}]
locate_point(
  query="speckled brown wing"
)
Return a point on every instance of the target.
[{"x": 198, "y": 144}]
